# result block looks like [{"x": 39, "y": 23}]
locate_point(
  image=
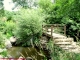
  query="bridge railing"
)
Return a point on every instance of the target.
[{"x": 51, "y": 27}]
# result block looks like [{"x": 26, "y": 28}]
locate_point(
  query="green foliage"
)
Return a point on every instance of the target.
[
  {"x": 1, "y": 8},
  {"x": 2, "y": 24},
  {"x": 6, "y": 28},
  {"x": 28, "y": 24},
  {"x": 9, "y": 27},
  {"x": 47, "y": 9},
  {"x": 62, "y": 55},
  {"x": 8, "y": 15},
  {"x": 1, "y": 38},
  {"x": 44, "y": 5},
  {"x": 4, "y": 54},
  {"x": 2, "y": 46},
  {"x": 6, "y": 24},
  {"x": 63, "y": 12},
  {"x": 1, "y": 12},
  {"x": 70, "y": 16},
  {"x": 58, "y": 54}
]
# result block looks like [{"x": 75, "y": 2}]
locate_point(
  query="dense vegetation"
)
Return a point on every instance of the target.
[
  {"x": 26, "y": 24},
  {"x": 63, "y": 12}
]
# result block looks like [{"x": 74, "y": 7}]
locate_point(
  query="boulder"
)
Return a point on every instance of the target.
[
  {"x": 8, "y": 44},
  {"x": 12, "y": 39}
]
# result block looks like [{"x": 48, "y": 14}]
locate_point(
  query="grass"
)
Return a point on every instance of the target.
[{"x": 66, "y": 56}]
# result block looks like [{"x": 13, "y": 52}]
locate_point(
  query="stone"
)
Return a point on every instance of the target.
[
  {"x": 8, "y": 44},
  {"x": 12, "y": 39}
]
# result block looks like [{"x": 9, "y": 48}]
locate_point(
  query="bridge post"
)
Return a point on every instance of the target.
[{"x": 65, "y": 30}]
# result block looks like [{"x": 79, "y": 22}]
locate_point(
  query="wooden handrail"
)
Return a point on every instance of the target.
[
  {"x": 51, "y": 30},
  {"x": 54, "y": 25}
]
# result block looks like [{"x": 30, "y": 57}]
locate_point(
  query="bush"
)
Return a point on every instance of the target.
[
  {"x": 3, "y": 51},
  {"x": 9, "y": 27},
  {"x": 8, "y": 15},
  {"x": 28, "y": 25},
  {"x": 6, "y": 27},
  {"x": 2, "y": 24},
  {"x": 1, "y": 39}
]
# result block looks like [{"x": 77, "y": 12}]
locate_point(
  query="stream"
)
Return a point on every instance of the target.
[{"x": 16, "y": 52}]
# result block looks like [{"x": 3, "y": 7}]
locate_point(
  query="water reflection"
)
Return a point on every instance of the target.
[{"x": 16, "y": 52}]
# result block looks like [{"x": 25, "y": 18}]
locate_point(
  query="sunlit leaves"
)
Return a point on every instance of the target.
[{"x": 29, "y": 23}]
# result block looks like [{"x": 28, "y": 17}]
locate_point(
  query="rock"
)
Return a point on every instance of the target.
[
  {"x": 8, "y": 44},
  {"x": 12, "y": 39}
]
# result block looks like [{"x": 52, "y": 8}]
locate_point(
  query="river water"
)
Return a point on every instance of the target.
[{"x": 16, "y": 52}]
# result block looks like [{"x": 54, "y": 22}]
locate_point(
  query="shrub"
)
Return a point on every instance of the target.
[
  {"x": 8, "y": 15},
  {"x": 3, "y": 51},
  {"x": 1, "y": 39},
  {"x": 9, "y": 27},
  {"x": 2, "y": 24},
  {"x": 6, "y": 27},
  {"x": 28, "y": 25}
]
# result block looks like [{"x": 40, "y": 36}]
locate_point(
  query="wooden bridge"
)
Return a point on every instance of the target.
[{"x": 59, "y": 37}]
